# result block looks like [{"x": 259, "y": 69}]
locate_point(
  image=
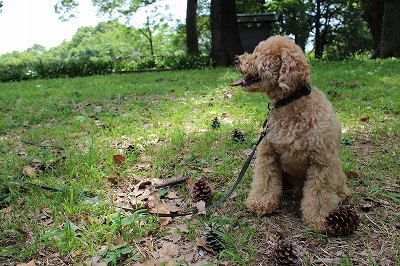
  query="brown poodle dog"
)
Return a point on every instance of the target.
[{"x": 301, "y": 146}]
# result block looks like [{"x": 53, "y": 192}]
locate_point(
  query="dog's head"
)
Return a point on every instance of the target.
[{"x": 277, "y": 66}]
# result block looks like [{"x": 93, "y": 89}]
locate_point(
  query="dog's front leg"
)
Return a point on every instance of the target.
[
  {"x": 266, "y": 188},
  {"x": 319, "y": 195}
]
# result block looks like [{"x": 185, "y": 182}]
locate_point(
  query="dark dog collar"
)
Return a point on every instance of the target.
[{"x": 301, "y": 91}]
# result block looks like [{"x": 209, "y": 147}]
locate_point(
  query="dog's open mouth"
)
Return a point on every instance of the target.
[{"x": 246, "y": 81}]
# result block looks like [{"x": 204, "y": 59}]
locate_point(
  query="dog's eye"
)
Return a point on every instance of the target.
[{"x": 255, "y": 56}]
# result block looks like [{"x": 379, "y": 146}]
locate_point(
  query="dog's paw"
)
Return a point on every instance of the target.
[
  {"x": 318, "y": 225},
  {"x": 259, "y": 206}
]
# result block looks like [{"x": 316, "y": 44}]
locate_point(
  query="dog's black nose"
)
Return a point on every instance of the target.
[{"x": 237, "y": 61}]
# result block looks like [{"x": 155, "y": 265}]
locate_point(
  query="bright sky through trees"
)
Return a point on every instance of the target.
[{"x": 28, "y": 22}]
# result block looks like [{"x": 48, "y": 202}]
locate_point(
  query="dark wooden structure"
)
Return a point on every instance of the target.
[{"x": 254, "y": 28}]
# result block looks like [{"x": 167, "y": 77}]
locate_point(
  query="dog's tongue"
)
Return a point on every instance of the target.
[{"x": 239, "y": 82}]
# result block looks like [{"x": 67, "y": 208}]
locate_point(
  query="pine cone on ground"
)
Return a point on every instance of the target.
[
  {"x": 286, "y": 253},
  {"x": 215, "y": 123},
  {"x": 342, "y": 221},
  {"x": 202, "y": 190},
  {"x": 212, "y": 237},
  {"x": 238, "y": 136}
]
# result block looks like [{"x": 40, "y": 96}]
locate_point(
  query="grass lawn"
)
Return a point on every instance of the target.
[{"x": 66, "y": 133}]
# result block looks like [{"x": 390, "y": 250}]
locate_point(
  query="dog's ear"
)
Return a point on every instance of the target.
[
  {"x": 287, "y": 72},
  {"x": 294, "y": 71}
]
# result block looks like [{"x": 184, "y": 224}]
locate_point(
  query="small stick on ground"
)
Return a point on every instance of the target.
[{"x": 171, "y": 183}]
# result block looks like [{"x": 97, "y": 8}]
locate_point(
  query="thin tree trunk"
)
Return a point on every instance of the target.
[
  {"x": 318, "y": 40},
  {"x": 192, "y": 44}
]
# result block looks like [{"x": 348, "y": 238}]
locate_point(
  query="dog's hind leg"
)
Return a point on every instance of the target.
[{"x": 266, "y": 188}]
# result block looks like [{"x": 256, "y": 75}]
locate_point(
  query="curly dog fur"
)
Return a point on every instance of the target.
[{"x": 303, "y": 138}]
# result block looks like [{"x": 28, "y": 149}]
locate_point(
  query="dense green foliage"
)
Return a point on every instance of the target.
[
  {"x": 106, "y": 40},
  {"x": 336, "y": 26},
  {"x": 39, "y": 69},
  {"x": 106, "y": 48}
]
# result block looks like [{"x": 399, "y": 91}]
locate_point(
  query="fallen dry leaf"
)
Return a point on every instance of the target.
[
  {"x": 168, "y": 251},
  {"x": 143, "y": 184},
  {"x": 172, "y": 207},
  {"x": 182, "y": 227},
  {"x": 173, "y": 236},
  {"x": 247, "y": 152},
  {"x": 145, "y": 263},
  {"x": 190, "y": 183},
  {"x": 201, "y": 207},
  {"x": 31, "y": 263},
  {"x": 172, "y": 195},
  {"x": 77, "y": 134},
  {"x": 120, "y": 240},
  {"x": 364, "y": 119},
  {"x": 149, "y": 244},
  {"x": 118, "y": 159},
  {"x": 366, "y": 207},
  {"x": 208, "y": 170},
  {"x": 179, "y": 175},
  {"x": 95, "y": 261},
  {"x": 200, "y": 241},
  {"x": 7, "y": 210},
  {"x": 29, "y": 170},
  {"x": 113, "y": 180},
  {"x": 156, "y": 205},
  {"x": 352, "y": 175},
  {"x": 76, "y": 253}
]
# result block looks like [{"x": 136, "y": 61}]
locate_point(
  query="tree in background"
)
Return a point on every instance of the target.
[
  {"x": 192, "y": 40},
  {"x": 155, "y": 23},
  {"x": 225, "y": 38},
  {"x": 351, "y": 37},
  {"x": 250, "y": 6},
  {"x": 155, "y": 20},
  {"x": 37, "y": 49},
  {"x": 66, "y": 8},
  {"x": 328, "y": 22},
  {"x": 195, "y": 34},
  {"x": 294, "y": 19},
  {"x": 384, "y": 23},
  {"x": 326, "y": 17}
]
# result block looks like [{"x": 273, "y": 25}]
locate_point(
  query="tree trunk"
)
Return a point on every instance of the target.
[
  {"x": 373, "y": 14},
  {"x": 384, "y": 23},
  {"x": 192, "y": 44},
  {"x": 318, "y": 37},
  {"x": 390, "y": 39},
  {"x": 225, "y": 38}
]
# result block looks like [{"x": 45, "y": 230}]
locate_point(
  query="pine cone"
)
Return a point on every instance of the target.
[
  {"x": 342, "y": 221},
  {"x": 215, "y": 123},
  {"x": 202, "y": 190},
  {"x": 213, "y": 238},
  {"x": 238, "y": 136},
  {"x": 286, "y": 253}
]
